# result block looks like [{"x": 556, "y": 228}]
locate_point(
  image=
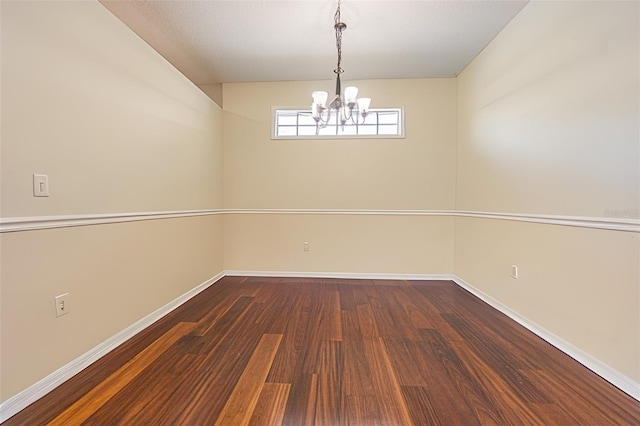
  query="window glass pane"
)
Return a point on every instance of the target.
[
  {"x": 388, "y": 130},
  {"x": 367, "y": 130},
  {"x": 286, "y": 131},
  {"x": 306, "y": 120},
  {"x": 379, "y": 122},
  {"x": 348, "y": 130},
  {"x": 371, "y": 118},
  {"x": 288, "y": 119},
  {"x": 306, "y": 130},
  {"x": 390, "y": 118},
  {"x": 328, "y": 131}
]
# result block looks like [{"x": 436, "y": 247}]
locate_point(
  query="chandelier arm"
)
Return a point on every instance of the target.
[{"x": 323, "y": 118}]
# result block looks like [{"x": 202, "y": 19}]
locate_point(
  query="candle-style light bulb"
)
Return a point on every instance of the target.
[
  {"x": 320, "y": 98},
  {"x": 363, "y": 105},
  {"x": 350, "y": 95}
]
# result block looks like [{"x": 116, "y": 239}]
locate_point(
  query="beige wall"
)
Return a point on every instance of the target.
[
  {"x": 114, "y": 126},
  {"x": 416, "y": 173},
  {"x": 413, "y": 173},
  {"x": 118, "y": 130},
  {"x": 214, "y": 91},
  {"x": 339, "y": 243},
  {"x": 548, "y": 124},
  {"x": 116, "y": 274}
]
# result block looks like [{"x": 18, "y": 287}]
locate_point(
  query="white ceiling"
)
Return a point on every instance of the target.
[{"x": 218, "y": 41}]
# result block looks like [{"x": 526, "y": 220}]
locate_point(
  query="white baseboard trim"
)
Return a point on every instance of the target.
[
  {"x": 339, "y": 275},
  {"x": 36, "y": 391},
  {"x": 15, "y": 404},
  {"x": 619, "y": 380}
]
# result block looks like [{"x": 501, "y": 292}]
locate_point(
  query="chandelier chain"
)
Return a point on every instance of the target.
[{"x": 339, "y": 27}]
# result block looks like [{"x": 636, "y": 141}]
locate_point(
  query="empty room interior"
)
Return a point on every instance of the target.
[{"x": 138, "y": 175}]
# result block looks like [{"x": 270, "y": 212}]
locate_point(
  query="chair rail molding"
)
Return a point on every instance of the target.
[{"x": 17, "y": 224}]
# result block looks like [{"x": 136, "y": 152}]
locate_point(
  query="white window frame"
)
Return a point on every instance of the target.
[{"x": 399, "y": 135}]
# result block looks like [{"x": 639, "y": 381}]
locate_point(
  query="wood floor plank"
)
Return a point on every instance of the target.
[
  {"x": 499, "y": 396},
  {"x": 330, "y": 401},
  {"x": 290, "y": 325},
  {"x": 439, "y": 294},
  {"x": 302, "y": 401},
  {"x": 240, "y": 405},
  {"x": 159, "y": 382},
  {"x": 271, "y": 404},
  {"x": 505, "y": 362},
  {"x": 215, "y": 313},
  {"x": 312, "y": 401},
  {"x": 335, "y": 317},
  {"x": 189, "y": 378},
  {"x": 100, "y": 394},
  {"x": 489, "y": 325},
  {"x": 309, "y": 334},
  {"x": 454, "y": 395},
  {"x": 550, "y": 414},
  {"x": 220, "y": 323},
  {"x": 393, "y": 409},
  {"x": 304, "y": 356},
  {"x": 210, "y": 384},
  {"x": 195, "y": 309},
  {"x": 357, "y": 380},
  {"x": 390, "y": 283},
  {"x": 347, "y": 300},
  {"x": 363, "y": 410},
  {"x": 425, "y": 295},
  {"x": 280, "y": 311},
  {"x": 587, "y": 407},
  {"x": 393, "y": 320},
  {"x": 405, "y": 369},
  {"x": 420, "y": 409},
  {"x": 366, "y": 321},
  {"x": 416, "y": 311}
]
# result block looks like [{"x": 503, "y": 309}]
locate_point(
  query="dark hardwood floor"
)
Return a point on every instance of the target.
[{"x": 271, "y": 351}]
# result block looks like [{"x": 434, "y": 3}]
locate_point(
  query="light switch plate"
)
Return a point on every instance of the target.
[
  {"x": 40, "y": 185},
  {"x": 62, "y": 304}
]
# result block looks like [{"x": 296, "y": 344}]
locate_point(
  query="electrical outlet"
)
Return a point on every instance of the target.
[
  {"x": 62, "y": 304},
  {"x": 514, "y": 271}
]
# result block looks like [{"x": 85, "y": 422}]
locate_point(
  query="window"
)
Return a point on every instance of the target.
[{"x": 289, "y": 123}]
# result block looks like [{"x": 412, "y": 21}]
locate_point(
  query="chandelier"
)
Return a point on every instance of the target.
[{"x": 346, "y": 108}]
